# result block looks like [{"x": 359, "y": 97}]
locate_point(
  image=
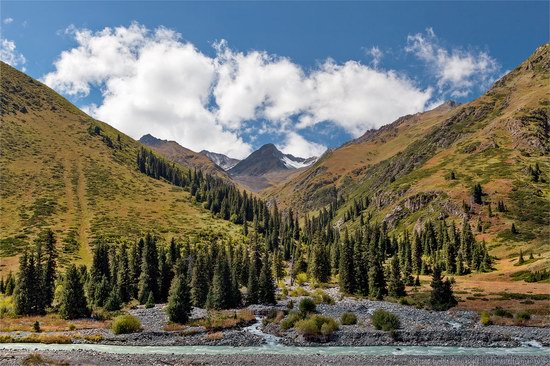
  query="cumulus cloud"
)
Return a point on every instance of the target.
[
  {"x": 296, "y": 145},
  {"x": 10, "y": 55},
  {"x": 7, "y": 20},
  {"x": 457, "y": 71},
  {"x": 154, "y": 82}
]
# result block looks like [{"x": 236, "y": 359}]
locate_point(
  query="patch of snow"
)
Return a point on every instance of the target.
[{"x": 293, "y": 164}]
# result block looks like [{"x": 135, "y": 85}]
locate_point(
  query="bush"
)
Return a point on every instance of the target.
[
  {"x": 36, "y": 327},
  {"x": 348, "y": 318},
  {"x": 485, "y": 318},
  {"x": 502, "y": 312},
  {"x": 307, "y": 305},
  {"x": 523, "y": 315},
  {"x": 321, "y": 297},
  {"x": 290, "y": 320},
  {"x": 125, "y": 324},
  {"x": 301, "y": 278},
  {"x": 72, "y": 327},
  {"x": 316, "y": 326},
  {"x": 384, "y": 320}
]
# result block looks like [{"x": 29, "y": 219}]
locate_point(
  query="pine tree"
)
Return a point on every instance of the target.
[
  {"x": 346, "y": 279},
  {"x": 266, "y": 288},
  {"x": 10, "y": 284},
  {"x": 179, "y": 300},
  {"x": 361, "y": 265},
  {"x": 396, "y": 288},
  {"x": 73, "y": 301},
  {"x": 441, "y": 297},
  {"x": 252, "y": 287},
  {"x": 148, "y": 281},
  {"x": 477, "y": 194},
  {"x": 514, "y": 230},
  {"x": 219, "y": 295},
  {"x": 199, "y": 282},
  {"x": 49, "y": 272},
  {"x": 165, "y": 276},
  {"x": 521, "y": 260},
  {"x": 377, "y": 282},
  {"x": 319, "y": 264},
  {"x": 23, "y": 290},
  {"x": 113, "y": 302},
  {"x": 135, "y": 266},
  {"x": 101, "y": 291},
  {"x": 123, "y": 276}
]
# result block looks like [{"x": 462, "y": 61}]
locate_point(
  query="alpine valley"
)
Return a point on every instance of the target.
[{"x": 431, "y": 230}]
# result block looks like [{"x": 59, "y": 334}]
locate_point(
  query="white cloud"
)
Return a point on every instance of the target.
[
  {"x": 296, "y": 145},
  {"x": 376, "y": 55},
  {"x": 10, "y": 55},
  {"x": 153, "y": 82},
  {"x": 7, "y": 20},
  {"x": 457, "y": 71}
]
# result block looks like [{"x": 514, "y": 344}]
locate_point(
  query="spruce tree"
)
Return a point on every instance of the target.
[
  {"x": 266, "y": 288},
  {"x": 148, "y": 281},
  {"x": 49, "y": 272},
  {"x": 377, "y": 282},
  {"x": 179, "y": 299},
  {"x": 199, "y": 282},
  {"x": 361, "y": 266},
  {"x": 396, "y": 288},
  {"x": 113, "y": 302},
  {"x": 441, "y": 297},
  {"x": 346, "y": 272},
  {"x": 73, "y": 300},
  {"x": 10, "y": 284},
  {"x": 252, "y": 287},
  {"x": 521, "y": 260},
  {"x": 165, "y": 276},
  {"x": 219, "y": 295}
]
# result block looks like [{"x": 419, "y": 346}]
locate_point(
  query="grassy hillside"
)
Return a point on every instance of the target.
[
  {"x": 405, "y": 167},
  {"x": 64, "y": 170}
]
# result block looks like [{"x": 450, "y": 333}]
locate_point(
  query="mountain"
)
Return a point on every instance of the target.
[
  {"x": 267, "y": 166},
  {"x": 179, "y": 154},
  {"x": 221, "y": 160},
  {"x": 64, "y": 170},
  {"x": 424, "y": 167}
]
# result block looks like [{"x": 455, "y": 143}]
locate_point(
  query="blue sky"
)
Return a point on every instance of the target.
[{"x": 304, "y": 75}]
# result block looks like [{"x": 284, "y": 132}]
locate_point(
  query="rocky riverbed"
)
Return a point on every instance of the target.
[{"x": 418, "y": 327}]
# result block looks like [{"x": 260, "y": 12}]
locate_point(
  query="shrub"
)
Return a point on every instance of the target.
[
  {"x": 316, "y": 326},
  {"x": 299, "y": 291},
  {"x": 348, "y": 318},
  {"x": 36, "y": 327},
  {"x": 307, "y": 305},
  {"x": 523, "y": 315},
  {"x": 290, "y": 320},
  {"x": 93, "y": 338},
  {"x": 72, "y": 327},
  {"x": 321, "y": 297},
  {"x": 485, "y": 318},
  {"x": 301, "y": 278},
  {"x": 125, "y": 324},
  {"x": 502, "y": 312},
  {"x": 384, "y": 320}
]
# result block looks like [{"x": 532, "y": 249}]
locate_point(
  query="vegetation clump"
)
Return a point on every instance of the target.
[
  {"x": 384, "y": 320},
  {"x": 317, "y": 327},
  {"x": 348, "y": 318},
  {"x": 125, "y": 324},
  {"x": 307, "y": 305}
]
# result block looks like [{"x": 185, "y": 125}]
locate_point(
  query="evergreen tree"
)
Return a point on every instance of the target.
[
  {"x": 165, "y": 276},
  {"x": 477, "y": 194},
  {"x": 346, "y": 279},
  {"x": 252, "y": 287},
  {"x": 219, "y": 295},
  {"x": 73, "y": 301},
  {"x": 10, "y": 284},
  {"x": 521, "y": 260},
  {"x": 113, "y": 302},
  {"x": 179, "y": 300},
  {"x": 199, "y": 282},
  {"x": 441, "y": 297},
  {"x": 319, "y": 266},
  {"x": 148, "y": 281},
  {"x": 101, "y": 291},
  {"x": 396, "y": 288},
  {"x": 135, "y": 266},
  {"x": 123, "y": 276},
  {"x": 514, "y": 230},
  {"x": 266, "y": 288},
  {"x": 49, "y": 273},
  {"x": 361, "y": 265},
  {"x": 377, "y": 282}
]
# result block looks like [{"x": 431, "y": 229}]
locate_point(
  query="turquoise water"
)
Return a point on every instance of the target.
[{"x": 286, "y": 350}]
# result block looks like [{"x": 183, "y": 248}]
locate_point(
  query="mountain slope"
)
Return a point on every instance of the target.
[
  {"x": 221, "y": 160},
  {"x": 179, "y": 154},
  {"x": 424, "y": 167},
  {"x": 267, "y": 166},
  {"x": 64, "y": 170}
]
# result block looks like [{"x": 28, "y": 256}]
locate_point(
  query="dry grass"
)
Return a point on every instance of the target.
[
  {"x": 48, "y": 323},
  {"x": 171, "y": 327},
  {"x": 36, "y": 359},
  {"x": 225, "y": 319},
  {"x": 216, "y": 336},
  {"x": 45, "y": 338}
]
